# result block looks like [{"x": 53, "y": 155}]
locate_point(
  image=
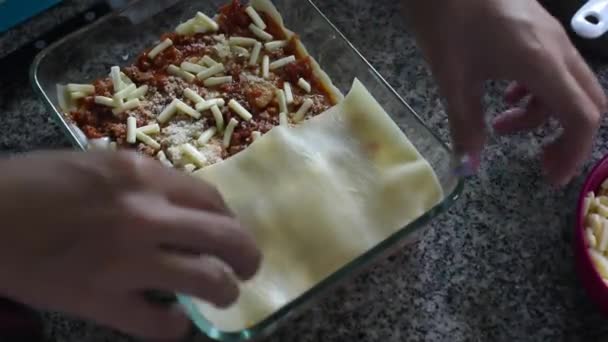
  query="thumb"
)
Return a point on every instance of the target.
[{"x": 467, "y": 124}]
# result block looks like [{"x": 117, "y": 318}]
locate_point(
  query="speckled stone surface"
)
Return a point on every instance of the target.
[{"x": 497, "y": 267}]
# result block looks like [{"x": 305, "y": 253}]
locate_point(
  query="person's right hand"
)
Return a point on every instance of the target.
[{"x": 87, "y": 233}]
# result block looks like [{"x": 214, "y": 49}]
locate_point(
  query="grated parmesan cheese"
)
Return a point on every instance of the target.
[
  {"x": 131, "y": 130},
  {"x": 304, "y": 85},
  {"x": 282, "y": 62},
  {"x": 240, "y": 110},
  {"x": 229, "y": 131},
  {"x": 165, "y": 44},
  {"x": 206, "y": 136},
  {"x": 275, "y": 45},
  {"x": 242, "y": 41},
  {"x": 215, "y": 81},
  {"x": 255, "y": 17},
  {"x": 176, "y": 71},
  {"x": 288, "y": 92},
  {"x": 301, "y": 113},
  {"x": 258, "y": 32},
  {"x": 216, "y": 69},
  {"x": 218, "y": 117},
  {"x": 255, "y": 54}
]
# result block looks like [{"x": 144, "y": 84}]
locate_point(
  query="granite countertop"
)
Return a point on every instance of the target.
[{"x": 497, "y": 267}]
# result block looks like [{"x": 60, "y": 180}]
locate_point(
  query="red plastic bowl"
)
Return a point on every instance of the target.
[{"x": 592, "y": 281}]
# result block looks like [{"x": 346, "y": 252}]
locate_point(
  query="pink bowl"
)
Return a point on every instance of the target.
[{"x": 590, "y": 278}]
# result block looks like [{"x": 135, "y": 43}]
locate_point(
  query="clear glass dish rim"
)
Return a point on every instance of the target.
[{"x": 348, "y": 269}]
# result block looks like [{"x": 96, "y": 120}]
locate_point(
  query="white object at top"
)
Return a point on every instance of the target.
[{"x": 591, "y": 20}]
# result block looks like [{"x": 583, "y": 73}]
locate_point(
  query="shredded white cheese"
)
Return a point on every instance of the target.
[
  {"x": 131, "y": 104},
  {"x": 208, "y": 22},
  {"x": 288, "y": 92},
  {"x": 84, "y": 88},
  {"x": 240, "y": 110},
  {"x": 266, "y": 67},
  {"x": 229, "y": 131},
  {"x": 162, "y": 157},
  {"x": 168, "y": 112},
  {"x": 78, "y": 95},
  {"x": 192, "y": 68},
  {"x": 176, "y": 71},
  {"x": 215, "y": 81},
  {"x": 184, "y": 108},
  {"x": 280, "y": 94},
  {"x": 193, "y": 96},
  {"x": 125, "y": 79},
  {"x": 186, "y": 28},
  {"x": 116, "y": 78},
  {"x": 301, "y": 113},
  {"x": 304, "y": 85},
  {"x": 146, "y": 139},
  {"x": 201, "y": 107},
  {"x": 240, "y": 51},
  {"x": 255, "y": 17},
  {"x": 104, "y": 101},
  {"x": 283, "y": 121},
  {"x": 218, "y": 117},
  {"x": 121, "y": 95},
  {"x": 150, "y": 129},
  {"x": 194, "y": 155},
  {"x": 275, "y": 45},
  {"x": 206, "y": 136},
  {"x": 131, "y": 130},
  {"x": 208, "y": 61},
  {"x": 258, "y": 32},
  {"x": 255, "y": 54},
  {"x": 282, "y": 62},
  {"x": 138, "y": 93},
  {"x": 242, "y": 41},
  {"x": 165, "y": 44},
  {"x": 213, "y": 70}
]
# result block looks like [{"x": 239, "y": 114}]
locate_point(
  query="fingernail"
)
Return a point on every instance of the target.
[{"x": 466, "y": 165}]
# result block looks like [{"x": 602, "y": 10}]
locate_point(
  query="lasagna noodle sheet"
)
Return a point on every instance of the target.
[{"x": 318, "y": 195}]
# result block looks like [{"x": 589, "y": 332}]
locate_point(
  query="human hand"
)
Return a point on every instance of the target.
[
  {"x": 469, "y": 42},
  {"x": 87, "y": 233}
]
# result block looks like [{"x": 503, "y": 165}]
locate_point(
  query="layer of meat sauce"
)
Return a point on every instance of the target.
[{"x": 204, "y": 93}]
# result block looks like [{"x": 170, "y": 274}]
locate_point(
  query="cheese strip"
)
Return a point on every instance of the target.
[
  {"x": 184, "y": 108},
  {"x": 150, "y": 129},
  {"x": 304, "y": 85},
  {"x": 104, "y": 101},
  {"x": 218, "y": 117},
  {"x": 283, "y": 121},
  {"x": 117, "y": 82},
  {"x": 242, "y": 41},
  {"x": 240, "y": 110},
  {"x": 208, "y": 61},
  {"x": 187, "y": 27},
  {"x": 162, "y": 157},
  {"x": 301, "y": 113},
  {"x": 255, "y": 54},
  {"x": 600, "y": 262},
  {"x": 240, "y": 51},
  {"x": 121, "y": 95},
  {"x": 192, "y": 68},
  {"x": 208, "y": 22},
  {"x": 215, "y": 81},
  {"x": 138, "y": 93},
  {"x": 78, "y": 95},
  {"x": 275, "y": 45},
  {"x": 176, "y": 71},
  {"x": 206, "y": 136},
  {"x": 266, "y": 67},
  {"x": 304, "y": 172},
  {"x": 146, "y": 139},
  {"x": 213, "y": 70},
  {"x": 280, "y": 94},
  {"x": 165, "y": 44},
  {"x": 255, "y": 17},
  {"x": 194, "y": 155},
  {"x": 131, "y": 130},
  {"x": 84, "y": 88},
  {"x": 201, "y": 107},
  {"x": 288, "y": 92},
  {"x": 229, "y": 131},
  {"x": 193, "y": 96},
  {"x": 131, "y": 104},
  {"x": 189, "y": 168},
  {"x": 168, "y": 112},
  {"x": 258, "y": 32},
  {"x": 282, "y": 62}
]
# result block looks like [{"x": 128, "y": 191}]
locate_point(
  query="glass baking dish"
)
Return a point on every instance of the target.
[{"x": 117, "y": 39}]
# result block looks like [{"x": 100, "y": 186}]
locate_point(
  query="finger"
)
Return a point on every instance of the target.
[
  {"x": 211, "y": 234},
  {"x": 467, "y": 124},
  {"x": 515, "y": 92},
  {"x": 520, "y": 119},
  {"x": 578, "y": 114},
  {"x": 587, "y": 79},
  {"x": 133, "y": 315},
  {"x": 204, "y": 277}
]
